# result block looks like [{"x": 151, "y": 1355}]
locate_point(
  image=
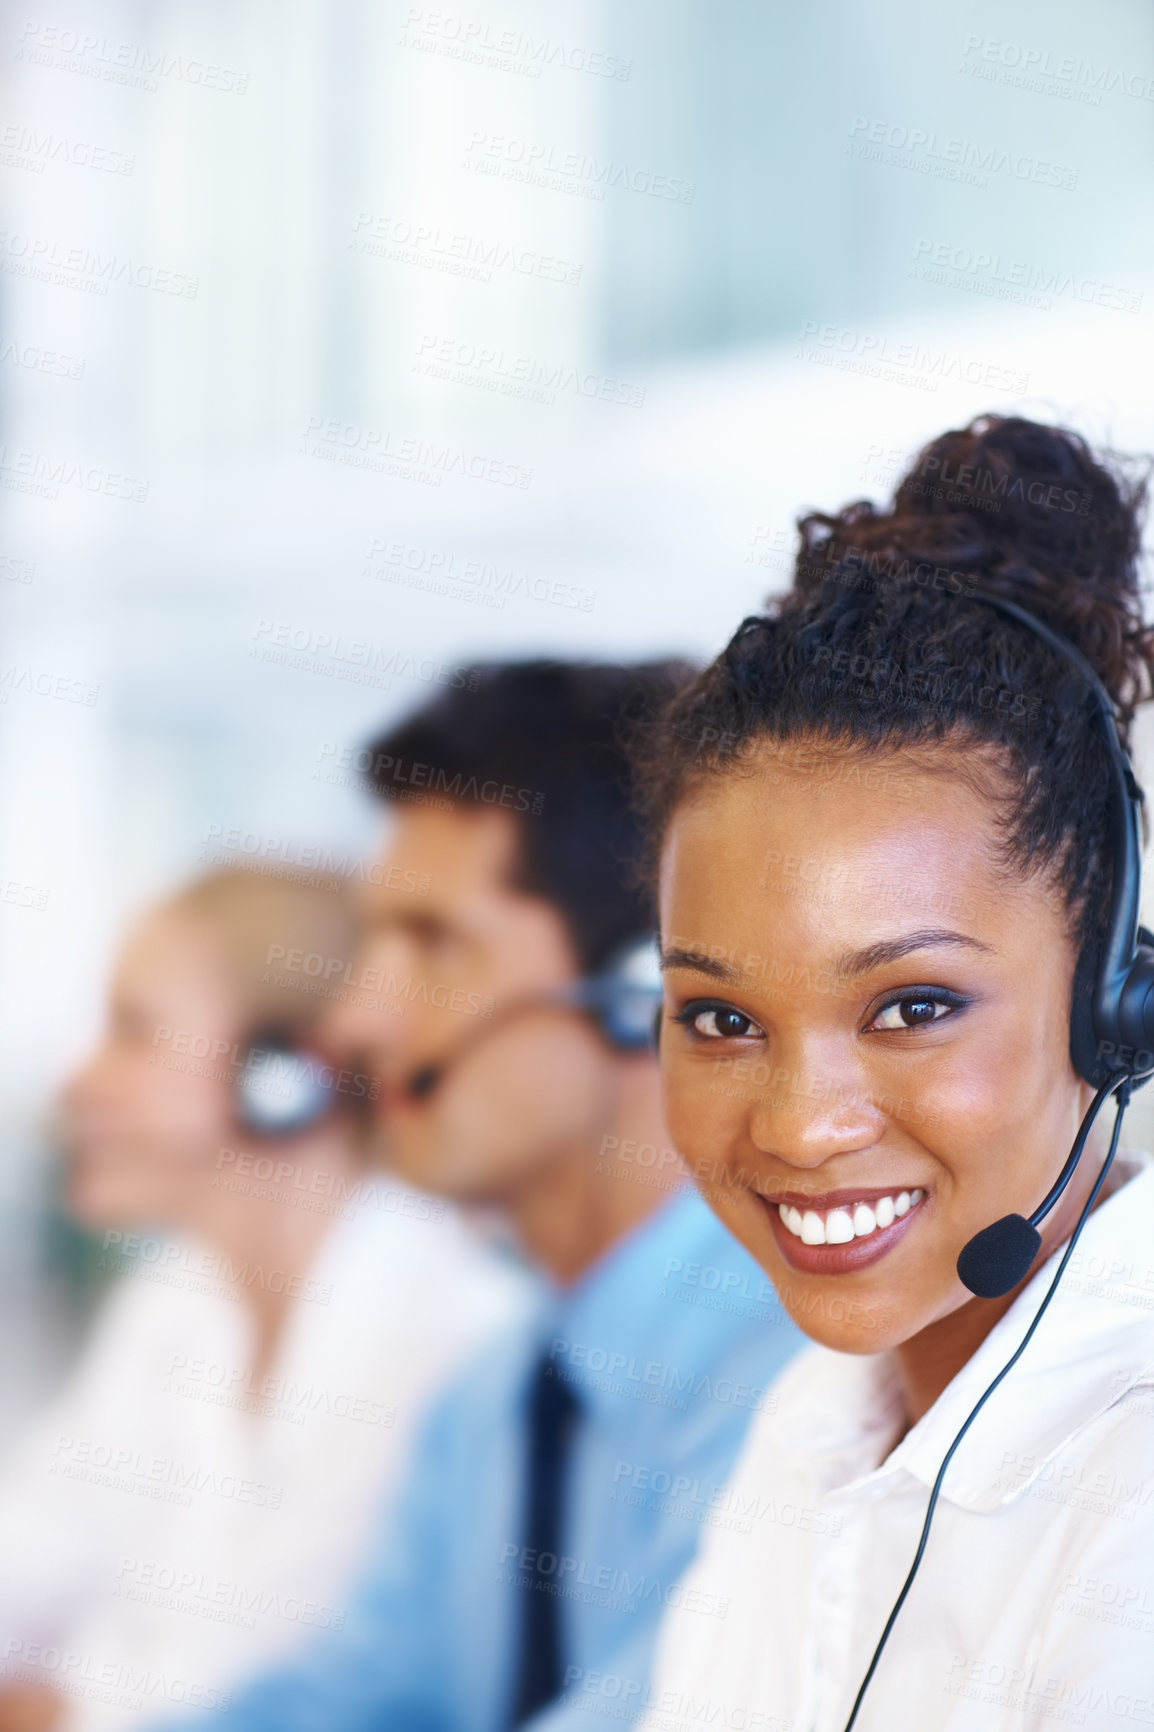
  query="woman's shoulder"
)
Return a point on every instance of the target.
[{"x": 822, "y": 1404}]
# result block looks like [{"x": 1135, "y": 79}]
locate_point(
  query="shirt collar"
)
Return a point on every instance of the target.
[
  {"x": 1095, "y": 1343},
  {"x": 619, "y": 1323}
]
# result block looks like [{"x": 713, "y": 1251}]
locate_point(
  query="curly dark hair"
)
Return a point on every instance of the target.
[{"x": 882, "y": 644}]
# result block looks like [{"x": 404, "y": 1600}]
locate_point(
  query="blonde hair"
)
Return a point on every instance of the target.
[{"x": 271, "y": 931}]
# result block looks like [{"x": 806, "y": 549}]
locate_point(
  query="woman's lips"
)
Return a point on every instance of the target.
[{"x": 838, "y": 1259}]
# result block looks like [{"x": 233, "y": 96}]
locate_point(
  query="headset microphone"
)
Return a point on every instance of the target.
[
  {"x": 996, "y": 1259},
  {"x": 623, "y": 999}
]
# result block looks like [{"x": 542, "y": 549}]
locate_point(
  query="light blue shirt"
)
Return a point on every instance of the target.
[{"x": 669, "y": 1343}]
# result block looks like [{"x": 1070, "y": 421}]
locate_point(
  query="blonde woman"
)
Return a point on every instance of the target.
[{"x": 197, "y": 1498}]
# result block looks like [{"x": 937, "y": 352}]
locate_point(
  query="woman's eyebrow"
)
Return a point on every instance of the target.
[
  {"x": 702, "y": 963},
  {"x": 852, "y": 963},
  {"x": 848, "y": 966}
]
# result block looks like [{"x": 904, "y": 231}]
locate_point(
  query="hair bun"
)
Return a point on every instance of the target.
[{"x": 1031, "y": 513}]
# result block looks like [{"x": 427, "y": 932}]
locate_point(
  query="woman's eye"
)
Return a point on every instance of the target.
[
  {"x": 912, "y": 1012},
  {"x": 719, "y": 1023}
]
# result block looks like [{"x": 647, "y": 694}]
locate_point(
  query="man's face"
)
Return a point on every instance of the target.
[{"x": 435, "y": 978}]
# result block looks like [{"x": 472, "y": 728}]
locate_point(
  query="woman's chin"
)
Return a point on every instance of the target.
[{"x": 98, "y": 1203}]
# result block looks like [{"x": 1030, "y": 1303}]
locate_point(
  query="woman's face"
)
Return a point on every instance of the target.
[
  {"x": 865, "y": 1042},
  {"x": 152, "y": 1109}
]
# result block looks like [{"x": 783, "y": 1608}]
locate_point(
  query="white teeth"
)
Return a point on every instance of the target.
[
  {"x": 864, "y": 1220},
  {"x": 841, "y": 1225},
  {"x": 838, "y": 1227}
]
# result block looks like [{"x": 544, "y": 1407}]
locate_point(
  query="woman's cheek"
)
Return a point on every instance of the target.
[{"x": 698, "y": 1114}]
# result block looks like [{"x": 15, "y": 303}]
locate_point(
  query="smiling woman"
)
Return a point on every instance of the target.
[{"x": 883, "y": 818}]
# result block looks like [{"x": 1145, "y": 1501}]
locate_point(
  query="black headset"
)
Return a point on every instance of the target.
[
  {"x": 1111, "y": 1047},
  {"x": 623, "y": 999},
  {"x": 1111, "y": 1026}
]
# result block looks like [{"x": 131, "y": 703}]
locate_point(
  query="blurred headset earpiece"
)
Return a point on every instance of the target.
[{"x": 283, "y": 1087}]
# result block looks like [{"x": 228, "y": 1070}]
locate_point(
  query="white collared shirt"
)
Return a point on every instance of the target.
[
  {"x": 1034, "y": 1603},
  {"x": 175, "y": 1521}
]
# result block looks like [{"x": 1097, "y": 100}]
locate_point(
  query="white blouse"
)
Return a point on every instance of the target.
[
  {"x": 172, "y": 1523},
  {"x": 1034, "y": 1603}
]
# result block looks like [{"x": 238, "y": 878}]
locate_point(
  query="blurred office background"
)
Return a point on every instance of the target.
[{"x": 344, "y": 341}]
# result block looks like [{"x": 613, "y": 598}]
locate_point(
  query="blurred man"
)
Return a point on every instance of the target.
[{"x": 562, "y": 1485}]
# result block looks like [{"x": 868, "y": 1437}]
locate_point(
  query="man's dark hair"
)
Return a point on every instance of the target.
[{"x": 545, "y": 740}]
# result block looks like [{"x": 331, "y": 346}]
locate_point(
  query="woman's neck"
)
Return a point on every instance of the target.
[
  {"x": 271, "y": 1231},
  {"x": 929, "y": 1362}
]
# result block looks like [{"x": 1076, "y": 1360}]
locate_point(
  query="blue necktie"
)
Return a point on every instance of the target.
[{"x": 552, "y": 1413}]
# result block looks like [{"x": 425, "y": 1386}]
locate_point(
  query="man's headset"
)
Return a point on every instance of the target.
[
  {"x": 1111, "y": 1047},
  {"x": 622, "y": 999},
  {"x": 284, "y": 1087}
]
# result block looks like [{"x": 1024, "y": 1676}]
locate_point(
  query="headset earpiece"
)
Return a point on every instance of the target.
[
  {"x": 1127, "y": 1043},
  {"x": 626, "y": 996},
  {"x": 282, "y": 1088}
]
